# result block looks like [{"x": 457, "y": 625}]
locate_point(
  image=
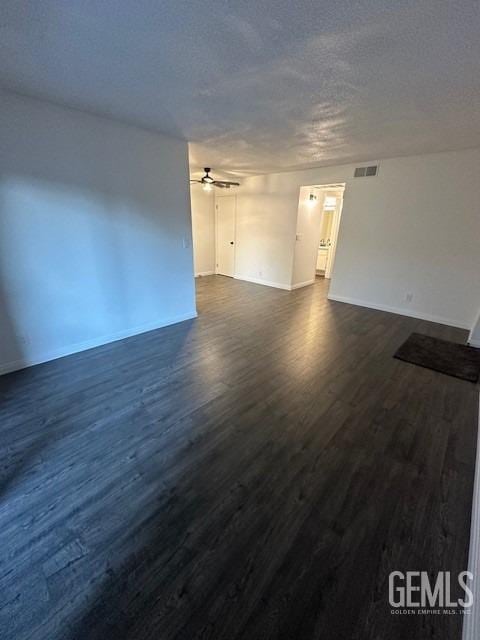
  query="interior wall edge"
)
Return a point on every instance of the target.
[
  {"x": 474, "y": 336},
  {"x": 471, "y": 622},
  {"x": 267, "y": 283},
  {"x": 299, "y": 285}
]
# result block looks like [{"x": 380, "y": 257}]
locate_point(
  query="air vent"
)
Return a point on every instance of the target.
[{"x": 363, "y": 172}]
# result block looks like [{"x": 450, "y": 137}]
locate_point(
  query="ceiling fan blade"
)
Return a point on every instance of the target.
[
  {"x": 199, "y": 181},
  {"x": 226, "y": 183}
]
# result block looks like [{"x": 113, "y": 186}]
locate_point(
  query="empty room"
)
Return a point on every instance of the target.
[{"x": 239, "y": 320}]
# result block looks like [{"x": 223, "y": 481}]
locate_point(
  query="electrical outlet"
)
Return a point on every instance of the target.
[
  {"x": 186, "y": 242},
  {"x": 409, "y": 296}
]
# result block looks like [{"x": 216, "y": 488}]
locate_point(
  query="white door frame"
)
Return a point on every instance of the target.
[
  {"x": 225, "y": 195},
  {"x": 337, "y": 214}
]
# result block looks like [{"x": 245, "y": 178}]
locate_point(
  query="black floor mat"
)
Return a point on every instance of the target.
[{"x": 458, "y": 360}]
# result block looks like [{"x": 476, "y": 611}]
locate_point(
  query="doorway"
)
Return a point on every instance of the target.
[
  {"x": 318, "y": 221},
  {"x": 331, "y": 203},
  {"x": 225, "y": 235}
]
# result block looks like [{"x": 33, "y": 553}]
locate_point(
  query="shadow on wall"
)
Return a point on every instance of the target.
[
  {"x": 92, "y": 219},
  {"x": 76, "y": 267}
]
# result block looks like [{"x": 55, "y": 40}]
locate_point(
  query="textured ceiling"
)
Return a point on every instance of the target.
[{"x": 259, "y": 86}]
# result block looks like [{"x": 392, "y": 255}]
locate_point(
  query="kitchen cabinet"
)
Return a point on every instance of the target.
[{"x": 322, "y": 258}]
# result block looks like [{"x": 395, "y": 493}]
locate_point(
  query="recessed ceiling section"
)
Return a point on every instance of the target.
[{"x": 259, "y": 87}]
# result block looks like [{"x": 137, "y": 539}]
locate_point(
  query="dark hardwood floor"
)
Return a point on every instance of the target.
[{"x": 254, "y": 473}]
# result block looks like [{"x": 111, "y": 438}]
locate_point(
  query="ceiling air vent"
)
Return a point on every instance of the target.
[{"x": 363, "y": 172}]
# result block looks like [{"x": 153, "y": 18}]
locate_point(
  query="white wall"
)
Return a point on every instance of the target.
[
  {"x": 413, "y": 228},
  {"x": 94, "y": 216},
  {"x": 265, "y": 235},
  {"x": 203, "y": 227},
  {"x": 309, "y": 220}
]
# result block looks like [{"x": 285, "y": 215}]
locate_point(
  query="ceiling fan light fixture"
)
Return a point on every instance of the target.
[{"x": 208, "y": 182}]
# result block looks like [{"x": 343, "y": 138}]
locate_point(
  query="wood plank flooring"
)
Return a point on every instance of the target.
[{"x": 254, "y": 473}]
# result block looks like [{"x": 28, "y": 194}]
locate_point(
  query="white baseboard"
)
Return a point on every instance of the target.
[
  {"x": 23, "y": 363},
  {"x": 276, "y": 285},
  {"x": 400, "y": 311},
  {"x": 474, "y": 343},
  {"x": 302, "y": 284},
  {"x": 200, "y": 274},
  {"x": 471, "y": 622},
  {"x": 267, "y": 283}
]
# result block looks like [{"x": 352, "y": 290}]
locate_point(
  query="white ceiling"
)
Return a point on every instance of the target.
[{"x": 259, "y": 85}]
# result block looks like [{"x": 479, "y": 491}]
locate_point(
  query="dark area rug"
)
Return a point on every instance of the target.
[{"x": 458, "y": 360}]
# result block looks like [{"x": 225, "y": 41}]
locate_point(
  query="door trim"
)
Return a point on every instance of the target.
[
  {"x": 234, "y": 233},
  {"x": 337, "y": 215}
]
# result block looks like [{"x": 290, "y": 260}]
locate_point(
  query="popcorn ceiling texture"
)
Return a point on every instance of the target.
[{"x": 259, "y": 86}]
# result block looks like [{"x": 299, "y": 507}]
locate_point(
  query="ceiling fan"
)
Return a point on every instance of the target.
[{"x": 208, "y": 182}]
